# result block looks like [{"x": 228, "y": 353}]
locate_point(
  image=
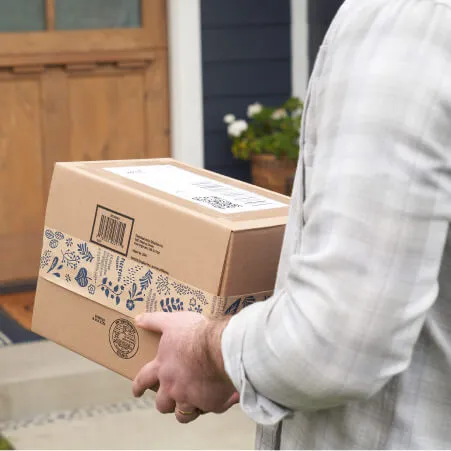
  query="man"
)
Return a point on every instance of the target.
[{"x": 353, "y": 351}]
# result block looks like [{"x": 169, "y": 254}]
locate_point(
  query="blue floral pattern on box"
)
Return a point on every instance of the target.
[
  {"x": 146, "y": 280},
  {"x": 134, "y": 296},
  {"x": 84, "y": 252},
  {"x": 171, "y": 305},
  {"x": 124, "y": 284},
  {"x": 59, "y": 236},
  {"x": 194, "y": 306},
  {"x": 110, "y": 291},
  {"x": 54, "y": 268},
  {"x": 130, "y": 278},
  {"x": 163, "y": 286},
  {"x": 82, "y": 277},
  {"x": 248, "y": 300},
  {"x": 45, "y": 259},
  {"x": 54, "y": 243},
  {"x": 54, "y": 237},
  {"x": 233, "y": 308},
  {"x": 70, "y": 258}
]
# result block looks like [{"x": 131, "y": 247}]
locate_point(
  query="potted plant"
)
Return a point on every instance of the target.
[{"x": 270, "y": 140}]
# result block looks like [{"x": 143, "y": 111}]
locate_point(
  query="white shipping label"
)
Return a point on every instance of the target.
[{"x": 196, "y": 188}]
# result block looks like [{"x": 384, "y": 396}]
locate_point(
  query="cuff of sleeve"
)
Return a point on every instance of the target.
[{"x": 257, "y": 407}]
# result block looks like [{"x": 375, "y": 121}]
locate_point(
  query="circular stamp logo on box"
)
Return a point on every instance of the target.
[{"x": 124, "y": 338}]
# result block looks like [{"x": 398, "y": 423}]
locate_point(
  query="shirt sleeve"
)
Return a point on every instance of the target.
[{"x": 365, "y": 274}]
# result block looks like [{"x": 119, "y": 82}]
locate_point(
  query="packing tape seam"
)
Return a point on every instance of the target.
[{"x": 125, "y": 285}]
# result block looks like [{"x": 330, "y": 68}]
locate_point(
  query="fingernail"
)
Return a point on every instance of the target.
[{"x": 139, "y": 318}]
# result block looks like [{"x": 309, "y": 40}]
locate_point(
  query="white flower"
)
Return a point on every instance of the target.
[
  {"x": 279, "y": 114},
  {"x": 254, "y": 109},
  {"x": 229, "y": 118},
  {"x": 297, "y": 113},
  {"x": 236, "y": 128}
]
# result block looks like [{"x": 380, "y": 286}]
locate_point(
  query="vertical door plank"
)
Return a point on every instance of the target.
[
  {"x": 90, "y": 137},
  {"x": 21, "y": 175},
  {"x": 157, "y": 107},
  {"x": 154, "y": 22},
  {"x": 55, "y": 121},
  {"x": 130, "y": 130},
  {"x": 50, "y": 14},
  {"x": 107, "y": 116}
]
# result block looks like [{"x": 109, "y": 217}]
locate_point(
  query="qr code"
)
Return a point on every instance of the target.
[{"x": 216, "y": 202}]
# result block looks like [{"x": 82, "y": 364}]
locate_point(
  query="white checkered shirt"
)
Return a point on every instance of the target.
[{"x": 354, "y": 349}]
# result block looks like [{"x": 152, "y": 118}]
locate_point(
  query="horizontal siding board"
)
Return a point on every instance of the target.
[
  {"x": 246, "y": 58},
  {"x": 219, "y": 146},
  {"x": 216, "y": 13},
  {"x": 320, "y": 15},
  {"x": 316, "y": 37},
  {"x": 254, "y": 78},
  {"x": 322, "y": 11},
  {"x": 265, "y": 42},
  {"x": 240, "y": 170}
]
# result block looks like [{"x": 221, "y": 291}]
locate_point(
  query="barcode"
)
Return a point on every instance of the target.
[
  {"x": 111, "y": 230},
  {"x": 216, "y": 202},
  {"x": 236, "y": 194}
]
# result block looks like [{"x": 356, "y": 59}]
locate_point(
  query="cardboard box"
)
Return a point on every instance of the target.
[{"x": 125, "y": 237}]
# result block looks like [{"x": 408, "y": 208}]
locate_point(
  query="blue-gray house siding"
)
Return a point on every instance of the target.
[
  {"x": 320, "y": 15},
  {"x": 246, "y": 58}
]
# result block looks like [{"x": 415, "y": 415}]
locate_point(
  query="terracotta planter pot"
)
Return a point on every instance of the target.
[{"x": 272, "y": 173}]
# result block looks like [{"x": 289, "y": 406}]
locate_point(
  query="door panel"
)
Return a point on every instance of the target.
[
  {"x": 157, "y": 106},
  {"x": 21, "y": 177},
  {"x": 21, "y": 171},
  {"x": 87, "y": 93},
  {"x": 106, "y": 116}
]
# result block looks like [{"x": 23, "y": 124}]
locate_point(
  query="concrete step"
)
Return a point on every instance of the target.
[
  {"x": 42, "y": 377},
  {"x": 133, "y": 424},
  {"x": 51, "y": 398}
]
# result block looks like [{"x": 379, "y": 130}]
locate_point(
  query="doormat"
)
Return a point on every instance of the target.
[
  {"x": 11, "y": 332},
  {"x": 4, "y": 340}
]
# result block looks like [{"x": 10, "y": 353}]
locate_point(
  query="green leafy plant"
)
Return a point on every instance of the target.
[
  {"x": 4, "y": 444},
  {"x": 269, "y": 130}
]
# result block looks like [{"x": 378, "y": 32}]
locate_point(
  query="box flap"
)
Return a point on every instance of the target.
[{"x": 252, "y": 260}]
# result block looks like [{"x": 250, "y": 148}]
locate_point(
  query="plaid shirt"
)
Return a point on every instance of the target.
[{"x": 353, "y": 351}]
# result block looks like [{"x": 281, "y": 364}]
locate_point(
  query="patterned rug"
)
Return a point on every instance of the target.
[
  {"x": 4, "y": 340},
  {"x": 12, "y": 332}
]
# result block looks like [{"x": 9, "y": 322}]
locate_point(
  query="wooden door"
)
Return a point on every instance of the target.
[{"x": 79, "y": 80}]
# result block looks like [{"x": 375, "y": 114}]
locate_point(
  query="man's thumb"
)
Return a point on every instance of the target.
[{"x": 155, "y": 322}]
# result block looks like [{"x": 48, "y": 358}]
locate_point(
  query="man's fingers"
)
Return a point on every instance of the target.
[
  {"x": 164, "y": 403},
  {"x": 146, "y": 378},
  {"x": 186, "y": 414},
  {"x": 154, "y": 322},
  {"x": 234, "y": 399}
]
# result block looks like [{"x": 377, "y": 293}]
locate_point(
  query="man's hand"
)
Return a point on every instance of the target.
[{"x": 188, "y": 367}]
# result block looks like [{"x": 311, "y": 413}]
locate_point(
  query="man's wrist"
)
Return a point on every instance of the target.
[{"x": 213, "y": 345}]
